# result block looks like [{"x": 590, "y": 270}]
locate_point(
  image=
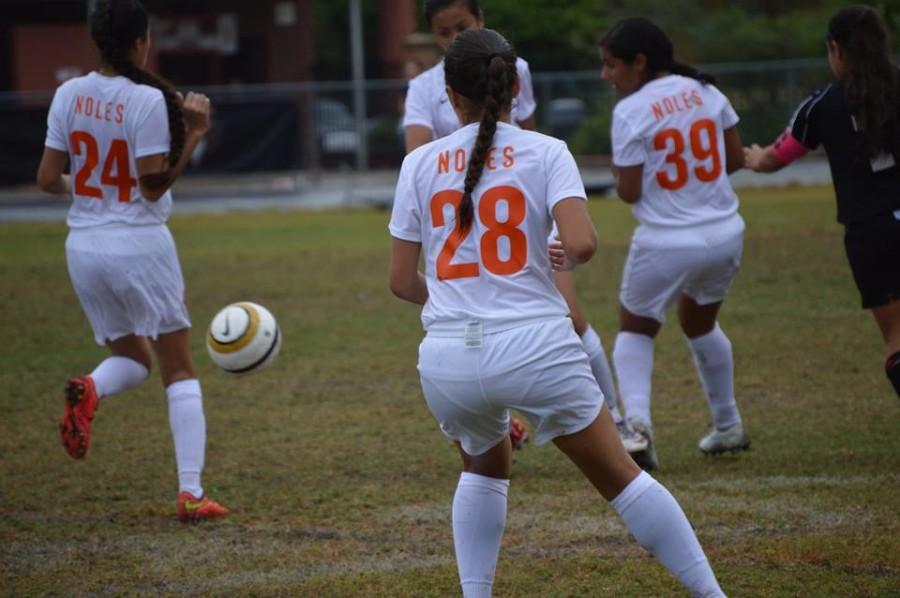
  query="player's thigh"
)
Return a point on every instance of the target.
[
  {"x": 449, "y": 374},
  {"x": 654, "y": 276},
  {"x": 542, "y": 372},
  {"x": 709, "y": 282}
]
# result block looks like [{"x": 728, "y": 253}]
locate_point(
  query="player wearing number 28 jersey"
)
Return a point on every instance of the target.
[
  {"x": 128, "y": 136},
  {"x": 674, "y": 141},
  {"x": 480, "y": 203}
]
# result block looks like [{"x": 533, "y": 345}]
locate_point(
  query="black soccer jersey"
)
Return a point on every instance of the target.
[{"x": 864, "y": 188}]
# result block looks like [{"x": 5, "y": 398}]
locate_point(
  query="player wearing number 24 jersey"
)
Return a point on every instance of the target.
[
  {"x": 675, "y": 141},
  {"x": 480, "y": 203},
  {"x": 128, "y": 136}
]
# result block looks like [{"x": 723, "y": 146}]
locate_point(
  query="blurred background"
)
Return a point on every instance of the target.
[{"x": 316, "y": 86}]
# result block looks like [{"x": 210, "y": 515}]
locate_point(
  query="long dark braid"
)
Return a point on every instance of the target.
[
  {"x": 638, "y": 35},
  {"x": 115, "y": 25},
  {"x": 481, "y": 66},
  {"x": 872, "y": 83}
]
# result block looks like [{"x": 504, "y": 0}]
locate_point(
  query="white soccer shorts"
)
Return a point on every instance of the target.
[
  {"x": 128, "y": 280},
  {"x": 700, "y": 262},
  {"x": 539, "y": 369}
]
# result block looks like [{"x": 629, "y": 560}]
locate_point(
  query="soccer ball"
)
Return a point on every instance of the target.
[{"x": 243, "y": 337}]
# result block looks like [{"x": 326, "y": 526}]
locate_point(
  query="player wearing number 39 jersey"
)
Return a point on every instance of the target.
[
  {"x": 674, "y": 141},
  {"x": 128, "y": 136},
  {"x": 480, "y": 203}
]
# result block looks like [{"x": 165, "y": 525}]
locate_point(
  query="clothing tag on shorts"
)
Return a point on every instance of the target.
[
  {"x": 883, "y": 162},
  {"x": 473, "y": 335}
]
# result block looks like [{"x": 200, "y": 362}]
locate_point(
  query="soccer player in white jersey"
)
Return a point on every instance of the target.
[
  {"x": 429, "y": 115},
  {"x": 675, "y": 140},
  {"x": 128, "y": 135},
  {"x": 480, "y": 204}
]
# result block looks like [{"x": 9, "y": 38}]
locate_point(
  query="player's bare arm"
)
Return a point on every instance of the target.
[
  {"x": 406, "y": 281},
  {"x": 628, "y": 182},
  {"x": 578, "y": 238},
  {"x": 734, "y": 151},
  {"x": 762, "y": 159},
  {"x": 417, "y": 135},
  {"x": 50, "y": 177}
]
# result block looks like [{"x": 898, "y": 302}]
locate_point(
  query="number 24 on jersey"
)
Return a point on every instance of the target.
[{"x": 83, "y": 143}]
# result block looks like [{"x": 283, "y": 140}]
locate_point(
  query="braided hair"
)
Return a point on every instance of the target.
[
  {"x": 637, "y": 35},
  {"x": 872, "y": 81},
  {"x": 480, "y": 65},
  {"x": 115, "y": 25}
]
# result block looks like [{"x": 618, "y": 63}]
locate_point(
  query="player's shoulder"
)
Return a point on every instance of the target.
[
  {"x": 522, "y": 66},
  {"x": 430, "y": 78},
  {"x": 74, "y": 85}
]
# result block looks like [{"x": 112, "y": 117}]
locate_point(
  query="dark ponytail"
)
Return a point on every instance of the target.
[
  {"x": 432, "y": 7},
  {"x": 637, "y": 35},
  {"x": 480, "y": 65},
  {"x": 872, "y": 81},
  {"x": 115, "y": 26}
]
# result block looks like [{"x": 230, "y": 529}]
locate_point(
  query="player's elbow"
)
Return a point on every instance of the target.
[
  {"x": 46, "y": 181},
  {"x": 400, "y": 285},
  {"x": 628, "y": 194},
  {"x": 582, "y": 249}
]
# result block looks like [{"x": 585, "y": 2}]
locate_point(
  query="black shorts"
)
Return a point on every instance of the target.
[{"x": 873, "y": 250}]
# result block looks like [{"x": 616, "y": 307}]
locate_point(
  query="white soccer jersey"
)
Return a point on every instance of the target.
[
  {"x": 427, "y": 103},
  {"x": 674, "y": 127},
  {"x": 104, "y": 124},
  {"x": 500, "y": 271}
]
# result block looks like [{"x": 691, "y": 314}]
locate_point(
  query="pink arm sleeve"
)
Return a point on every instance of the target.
[{"x": 787, "y": 148}]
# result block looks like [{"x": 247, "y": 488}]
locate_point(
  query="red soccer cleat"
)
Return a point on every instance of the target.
[
  {"x": 191, "y": 508},
  {"x": 518, "y": 433},
  {"x": 75, "y": 426}
]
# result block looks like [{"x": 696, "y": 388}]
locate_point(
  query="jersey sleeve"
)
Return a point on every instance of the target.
[
  {"x": 152, "y": 132},
  {"x": 56, "y": 124},
  {"x": 730, "y": 116},
  {"x": 525, "y": 102},
  {"x": 805, "y": 125},
  {"x": 563, "y": 178},
  {"x": 406, "y": 219},
  {"x": 627, "y": 146},
  {"x": 417, "y": 109}
]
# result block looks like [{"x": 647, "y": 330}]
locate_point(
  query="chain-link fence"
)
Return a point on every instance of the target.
[{"x": 312, "y": 126}]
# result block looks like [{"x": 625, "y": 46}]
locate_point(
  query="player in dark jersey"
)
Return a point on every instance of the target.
[{"x": 857, "y": 119}]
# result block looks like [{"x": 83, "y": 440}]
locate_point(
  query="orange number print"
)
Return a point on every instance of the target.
[
  {"x": 446, "y": 270},
  {"x": 518, "y": 242},
  {"x": 91, "y": 158},
  {"x": 703, "y": 148},
  {"x": 490, "y": 240},
  {"x": 117, "y": 157},
  {"x": 710, "y": 150}
]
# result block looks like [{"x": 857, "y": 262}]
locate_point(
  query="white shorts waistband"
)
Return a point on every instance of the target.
[{"x": 457, "y": 328}]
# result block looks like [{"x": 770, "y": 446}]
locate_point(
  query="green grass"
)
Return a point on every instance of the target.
[{"x": 339, "y": 481}]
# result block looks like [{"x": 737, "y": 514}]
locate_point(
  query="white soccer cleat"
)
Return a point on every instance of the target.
[
  {"x": 732, "y": 439},
  {"x": 631, "y": 440},
  {"x": 645, "y": 458}
]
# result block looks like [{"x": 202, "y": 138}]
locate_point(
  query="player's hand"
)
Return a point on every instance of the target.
[
  {"x": 753, "y": 156},
  {"x": 559, "y": 262},
  {"x": 196, "y": 109}
]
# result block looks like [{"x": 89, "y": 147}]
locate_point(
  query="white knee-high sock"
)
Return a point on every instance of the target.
[
  {"x": 600, "y": 366},
  {"x": 117, "y": 374},
  {"x": 657, "y": 522},
  {"x": 633, "y": 360},
  {"x": 715, "y": 365},
  {"x": 189, "y": 432},
  {"x": 479, "y": 517}
]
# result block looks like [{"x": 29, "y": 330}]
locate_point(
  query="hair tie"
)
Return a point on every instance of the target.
[{"x": 491, "y": 57}]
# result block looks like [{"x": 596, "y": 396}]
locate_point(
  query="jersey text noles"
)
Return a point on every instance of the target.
[
  {"x": 460, "y": 160},
  {"x": 107, "y": 111},
  {"x": 676, "y": 103}
]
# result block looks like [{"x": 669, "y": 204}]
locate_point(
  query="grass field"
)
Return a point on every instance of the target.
[{"x": 340, "y": 482}]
